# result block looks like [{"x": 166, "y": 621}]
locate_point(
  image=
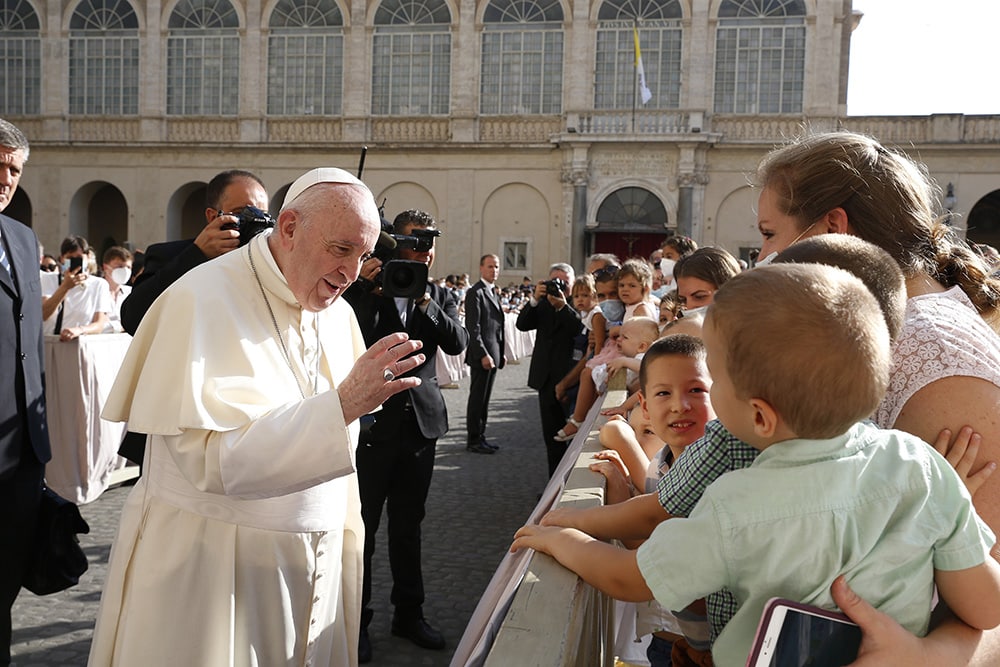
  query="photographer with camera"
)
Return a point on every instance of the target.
[
  {"x": 227, "y": 195},
  {"x": 557, "y": 325},
  {"x": 395, "y": 456}
]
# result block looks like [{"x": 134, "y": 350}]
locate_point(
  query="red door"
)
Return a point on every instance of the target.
[{"x": 628, "y": 244}]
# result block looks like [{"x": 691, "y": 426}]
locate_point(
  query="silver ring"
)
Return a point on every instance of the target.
[{"x": 388, "y": 375}]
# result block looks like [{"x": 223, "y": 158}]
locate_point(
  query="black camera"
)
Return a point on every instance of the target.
[
  {"x": 419, "y": 239},
  {"x": 404, "y": 278},
  {"x": 556, "y": 287},
  {"x": 250, "y": 222}
]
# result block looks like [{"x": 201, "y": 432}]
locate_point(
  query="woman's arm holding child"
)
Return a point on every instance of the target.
[{"x": 607, "y": 568}]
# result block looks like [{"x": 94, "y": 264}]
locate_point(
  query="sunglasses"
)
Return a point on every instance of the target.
[
  {"x": 606, "y": 272},
  {"x": 49, "y": 267}
]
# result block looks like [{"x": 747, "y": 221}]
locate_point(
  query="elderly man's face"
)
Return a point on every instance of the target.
[
  {"x": 11, "y": 165},
  {"x": 321, "y": 248}
]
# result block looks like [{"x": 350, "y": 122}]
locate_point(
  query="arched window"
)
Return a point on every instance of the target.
[
  {"x": 760, "y": 56},
  {"x": 632, "y": 208},
  {"x": 20, "y": 59},
  {"x": 522, "y": 57},
  {"x": 104, "y": 59},
  {"x": 203, "y": 59},
  {"x": 659, "y": 27},
  {"x": 411, "y": 58},
  {"x": 305, "y": 58}
]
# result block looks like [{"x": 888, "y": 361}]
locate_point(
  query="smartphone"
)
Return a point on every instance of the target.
[
  {"x": 75, "y": 263},
  {"x": 792, "y": 634}
]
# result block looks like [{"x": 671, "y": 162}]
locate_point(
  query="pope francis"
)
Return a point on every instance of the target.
[{"x": 241, "y": 544}]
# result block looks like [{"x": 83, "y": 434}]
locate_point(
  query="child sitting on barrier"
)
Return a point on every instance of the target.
[
  {"x": 824, "y": 498},
  {"x": 674, "y": 403},
  {"x": 595, "y": 298},
  {"x": 635, "y": 336}
]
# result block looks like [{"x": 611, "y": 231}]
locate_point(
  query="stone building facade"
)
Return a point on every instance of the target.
[{"x": 519, "y": 124}]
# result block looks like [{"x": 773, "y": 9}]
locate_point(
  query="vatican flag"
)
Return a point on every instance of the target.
[{"x": 644, "y": 92}]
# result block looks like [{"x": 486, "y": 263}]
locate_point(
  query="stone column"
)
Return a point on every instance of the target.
[
  {"x": 576, "y": 178},
  {"x": 691, "y": 204}
]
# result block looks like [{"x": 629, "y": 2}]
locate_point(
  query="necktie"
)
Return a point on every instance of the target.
[{"x": 4, "y": 262}]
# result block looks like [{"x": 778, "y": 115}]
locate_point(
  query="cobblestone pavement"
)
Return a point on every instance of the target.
[{"x": 476, "y": 503}]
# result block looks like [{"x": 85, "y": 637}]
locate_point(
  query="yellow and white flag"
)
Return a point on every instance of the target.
[{"x": 644, "y": 92}]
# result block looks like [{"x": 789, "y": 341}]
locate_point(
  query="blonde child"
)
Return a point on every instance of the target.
[
  {"x": 637, "y": 334},
  {"x": 584, "y": 295},
  {"x": 635, "y": 282},
  {"x": 827, "y": 499},
  {"x": 588, "y": 302}
]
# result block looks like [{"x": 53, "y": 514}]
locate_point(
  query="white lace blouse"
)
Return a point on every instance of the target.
[{"x": 943, "y": 336}]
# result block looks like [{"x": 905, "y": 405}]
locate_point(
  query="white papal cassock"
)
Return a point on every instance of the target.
[{"x": 241, "y": 543}]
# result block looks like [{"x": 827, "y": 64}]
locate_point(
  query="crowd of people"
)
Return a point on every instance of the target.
[
  {"x": 773, "y": 442},
  {"x": 782, "y": 447}
]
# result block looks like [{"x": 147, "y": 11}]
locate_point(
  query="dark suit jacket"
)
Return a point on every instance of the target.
[
  {"x": 484, "y": 321},
  {"x": 165, "y": 263},
  {"x": 22, "y": 352},
  {"x": 438, "y": 328},
  {"x": 552, "y": 357}
]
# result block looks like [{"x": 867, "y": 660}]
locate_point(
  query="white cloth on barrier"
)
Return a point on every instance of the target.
[
  {"x": 451, "y": 368},
  {"x": 78, "y": 376},
  {"x": 518, "y": 344}
]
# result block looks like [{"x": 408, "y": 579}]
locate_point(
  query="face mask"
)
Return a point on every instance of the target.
[
  {"x": 770, "y": 258},
  {"x": 767, "y": 260},
  {"x": 697, "y": 311},
  {"x": 667, "y": 269},
  {"x": 121, "y": 275},
  {"x": 64, "y": 266}
]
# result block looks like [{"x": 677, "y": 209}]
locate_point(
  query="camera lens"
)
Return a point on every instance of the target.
[{"x": 402, "y": 278}]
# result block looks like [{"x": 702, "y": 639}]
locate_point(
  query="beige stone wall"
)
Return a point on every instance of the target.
[{"x": 488, "y": 180}]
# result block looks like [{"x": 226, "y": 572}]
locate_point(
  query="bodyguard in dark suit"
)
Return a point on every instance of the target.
[
  {"x": 395, "y": 457},
  {"x": 226, "y": 195},
  {"x": 556, "y": 325},
  {"x": 24, "y": 438},
  {"x": 484, "y": 320}
]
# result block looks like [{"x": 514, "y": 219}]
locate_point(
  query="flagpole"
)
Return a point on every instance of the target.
[{"x": 635, "y": 76}]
